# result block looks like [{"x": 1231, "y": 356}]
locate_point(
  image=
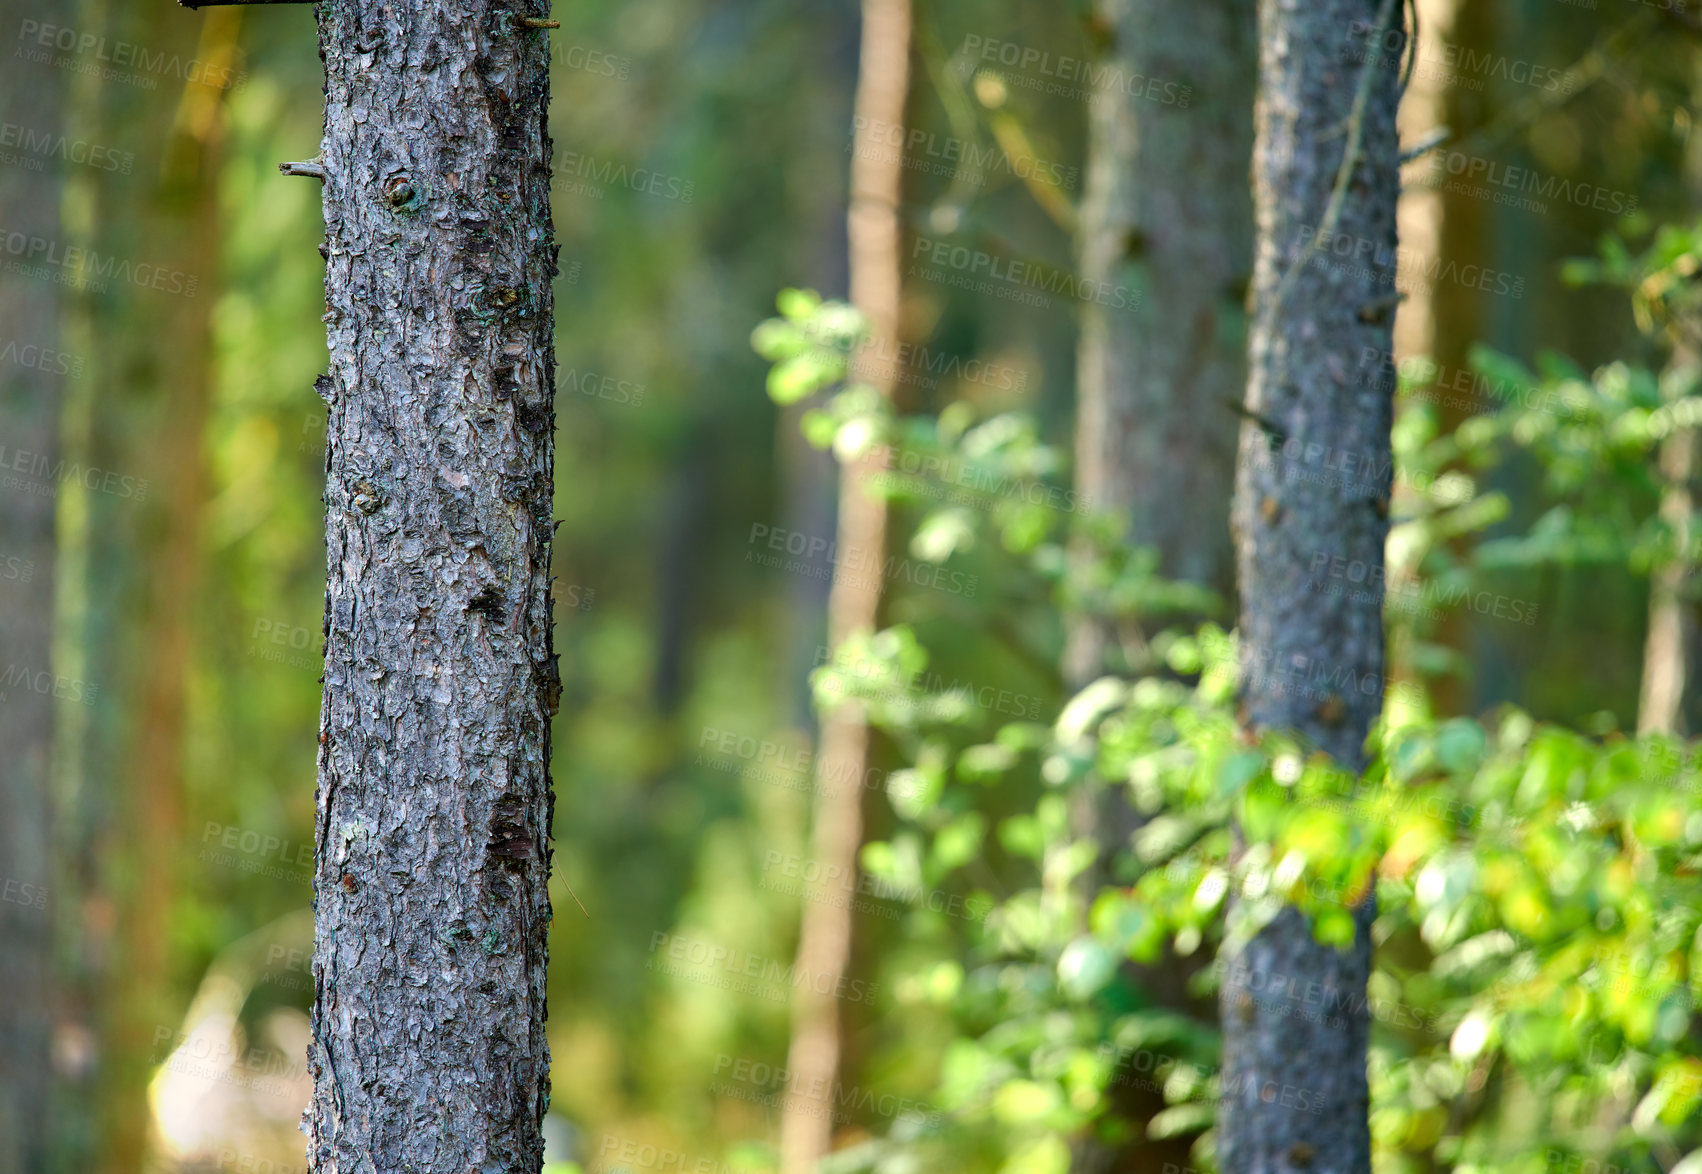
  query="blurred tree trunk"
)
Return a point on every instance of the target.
[
  {"x": 1671, "y": 693},
  {"x": 875, "y": 230},
  {"x": 1167, "y": 212},
  {"x": 431, "y": 883},
  {"x": 178, "y": 337},
  {"x": 1313, "y": 664},
  {"x": 31, "y": 387}
]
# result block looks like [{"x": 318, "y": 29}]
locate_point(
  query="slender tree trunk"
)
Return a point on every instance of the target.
[
  {"x": 434, "y": 800},
  {"x": 152, "y": 834},
  {"x": 30, "y": 398},
  {"x": 824, "y": 945},
  {"x": 1672, "y": 690},
  {"x": 1669, "y": 688},
  {"x": 1328, "y": 90},
  {"x": 1166, "y": 211}
]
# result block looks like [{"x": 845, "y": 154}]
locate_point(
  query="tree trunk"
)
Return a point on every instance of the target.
[
  {"x": 151, "y": 835},
  {"x": 1669, "y": 690},
  {"x": 30, "y": 398},
  {"x": 434, "y": 800},
  {"x": 1166, "y": 210},
  {"x": 1329, "y": 87},
  {"x": 824, "y": 944}
]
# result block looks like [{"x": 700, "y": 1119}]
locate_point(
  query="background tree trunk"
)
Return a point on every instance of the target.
[
  {"x": 1313, "y": 664},
  {"x": 1671, "y": 693},
  {"x": 30, "y": 399},
  {"x": 434, "y": 798},
  {"x": 1166, "y": 211},
  {"x": 824, "y": 943},
  {"x": 150, "y": 838}
]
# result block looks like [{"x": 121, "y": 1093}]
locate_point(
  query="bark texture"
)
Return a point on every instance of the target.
[
  {"x": 434, "y": 798},
  {"x": 875, "y": 232},
  {"x": 1313, "y": 485},
  {"x": 30, "y": 396}
]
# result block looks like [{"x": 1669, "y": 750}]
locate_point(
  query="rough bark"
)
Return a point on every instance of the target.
[
  {"x": 1166, "y": 211},
  {"x": 434, "y": 798},
  {"x": 30, "y": 396},
  {"x": 875, "y": 232},
  {"x": 1328, "y": 90}
]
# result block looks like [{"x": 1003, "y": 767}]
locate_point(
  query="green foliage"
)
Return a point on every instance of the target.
[{"x": 1539, "y": 940}]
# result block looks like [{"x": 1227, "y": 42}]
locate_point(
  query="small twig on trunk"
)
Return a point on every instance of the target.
[{"x": 311, "y": 169}]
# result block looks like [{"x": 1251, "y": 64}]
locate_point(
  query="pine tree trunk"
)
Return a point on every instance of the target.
[
  {"x": 30, "y": 397},
  {"x": 824, "y": 943},
  {"x": 1166, "y": 212},
  {"x": 1313, "y": 484},
  {"x": 434, "y": 801}
]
